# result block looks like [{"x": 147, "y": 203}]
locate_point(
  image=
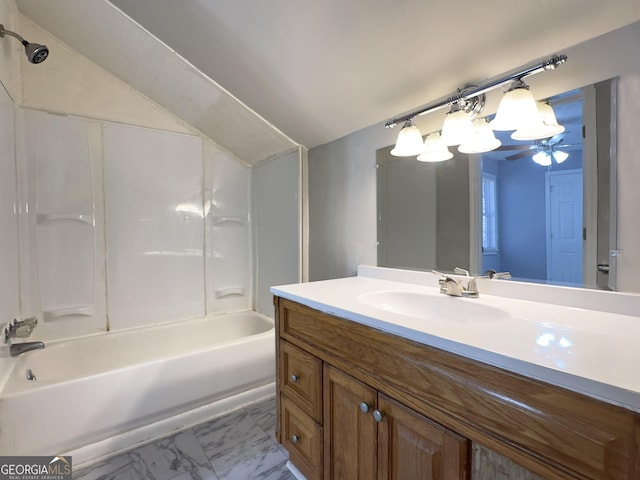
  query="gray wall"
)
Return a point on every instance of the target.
[{"x": 275, "y": 199}]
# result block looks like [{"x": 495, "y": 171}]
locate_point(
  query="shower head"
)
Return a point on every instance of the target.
[{"x": 35, "y": 52}]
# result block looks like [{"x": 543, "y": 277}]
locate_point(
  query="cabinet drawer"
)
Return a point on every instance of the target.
[
  {"x": 302, "y": 437},
  {"x": 301, "y": 379}
]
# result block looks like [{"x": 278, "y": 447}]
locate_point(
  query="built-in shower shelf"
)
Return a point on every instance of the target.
[
  {"x": 80, "y": 310},
  {"x": 218, "y": 220},
  {"x": 227, "y": 292},
  {"x": 44, "y": 218}
]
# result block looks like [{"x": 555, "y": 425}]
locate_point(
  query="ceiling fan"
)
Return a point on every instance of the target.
[{"x": 542, "y": 151}]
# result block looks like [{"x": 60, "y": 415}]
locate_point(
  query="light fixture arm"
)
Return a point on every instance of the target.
[{"x": 519, "y": 73}]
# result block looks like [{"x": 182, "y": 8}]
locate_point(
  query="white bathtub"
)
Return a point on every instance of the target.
[{"x": 96, "y": 389}]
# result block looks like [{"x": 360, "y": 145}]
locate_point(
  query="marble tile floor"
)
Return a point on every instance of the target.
[{"x": 238, "y": 446}]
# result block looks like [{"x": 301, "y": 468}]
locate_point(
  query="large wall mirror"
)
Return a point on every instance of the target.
[{"x": 548, "y": 219}]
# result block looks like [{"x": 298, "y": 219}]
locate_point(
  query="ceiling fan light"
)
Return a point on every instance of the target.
[
  {"x": 434, "y": 149},
  {"x": 457, "y": 127},
  {"x": 542, "y": 158},
  {"x": 560, "y": 156},
  {"x": 546, "y": 127},
  {"x": 483, "y": 139},
  {"x": 517, "y": 109},
  {"x": 409, "y": 141}
]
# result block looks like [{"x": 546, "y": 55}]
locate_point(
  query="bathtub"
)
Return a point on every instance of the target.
[{"x": 104, "y": 393}]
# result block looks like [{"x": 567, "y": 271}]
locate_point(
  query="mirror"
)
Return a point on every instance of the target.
[{"x": 503, "y": 211}]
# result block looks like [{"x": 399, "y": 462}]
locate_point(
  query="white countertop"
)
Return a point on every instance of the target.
[{"x": 593, "y": 352}]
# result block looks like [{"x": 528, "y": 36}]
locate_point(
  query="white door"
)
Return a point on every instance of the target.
[{"x": 564, "y": 227}]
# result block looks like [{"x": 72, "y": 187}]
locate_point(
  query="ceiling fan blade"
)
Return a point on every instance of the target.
[
  {"x": 516, "y": 156},
  {"x": 515, "y": 147},
  {"x": 555, "y": 139}
]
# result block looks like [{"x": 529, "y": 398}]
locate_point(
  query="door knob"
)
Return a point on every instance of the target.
[
  {"x": 295, "y": 439},
  {"x": 364, "y": 407},
  {"x": 294, "y": 378}
]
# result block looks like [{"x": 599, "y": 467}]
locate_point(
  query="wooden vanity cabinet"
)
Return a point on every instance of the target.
[
  {"x": 370, "y": 436},
  {"x": 337, "y": 427},
  {"x": 433, "y": 406}
]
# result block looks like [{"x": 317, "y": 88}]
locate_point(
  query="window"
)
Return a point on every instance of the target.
[{"x": 489, "y": 214}]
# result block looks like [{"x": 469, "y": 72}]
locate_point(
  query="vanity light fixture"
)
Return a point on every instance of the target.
[
  {"x": 483, "y": 139},
  {"x": 547, "y": 126},
  {"x": 409, "y": 141},
  {"x": 457, "y": 126},
  {"x": 434, "y": 150},
  {"x": 469, "y": 101},
  {"x": 517, "y": 109}
]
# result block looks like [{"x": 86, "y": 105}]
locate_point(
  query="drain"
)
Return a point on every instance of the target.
[{"x": 30, "y": 375}]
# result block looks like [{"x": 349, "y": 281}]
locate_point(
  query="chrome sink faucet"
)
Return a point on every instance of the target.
[{"x": 455, "y": 288}]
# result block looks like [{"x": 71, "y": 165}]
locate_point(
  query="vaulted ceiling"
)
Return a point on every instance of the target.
[{"x": 318, "y": 71}]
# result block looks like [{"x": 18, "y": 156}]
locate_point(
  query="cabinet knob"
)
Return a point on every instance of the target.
[
  {"x": 364, "y": 407},
  {"x": 295, "y": 439},
  {"x": 294, "y": 378},
  {"x": 378, "y": 416}
]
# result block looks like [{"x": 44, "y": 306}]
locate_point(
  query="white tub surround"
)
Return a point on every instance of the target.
[
  {"x": 130, "y": 380},
  {"x": 578, "y": 339}
]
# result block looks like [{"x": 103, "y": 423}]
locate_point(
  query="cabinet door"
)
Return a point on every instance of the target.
[
  {"x": 412, "y": 447},
  {"x": 350, "y": 433}
]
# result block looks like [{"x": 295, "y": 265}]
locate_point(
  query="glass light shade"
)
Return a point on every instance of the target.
[
  {"x": 545, "y": 128},
  {"x": 483, "y": 139},
  {"x": 434, "y": 149},
  {"x": 560, "y": 156},
  {"x": 457, "y": 128},
  {"x": 409, "y": 141},
  {"x": 516, "y": 110},
  {"x": 542, "y": 158}
]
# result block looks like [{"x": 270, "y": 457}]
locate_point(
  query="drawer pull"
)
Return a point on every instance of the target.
[
  {"x": 364, "y": 407},
  {"x": 295, "y": 439},
  {"x": 294, "y": 378},
  {"x": 378, "y": 416}
]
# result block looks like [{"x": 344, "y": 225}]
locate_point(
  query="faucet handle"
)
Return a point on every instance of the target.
[
  {"x": 23, "y": 331},
  {"x": 30, "y": 322},
  {"x": 493, "y": 274},
  {"x": 461, "y": 271}
]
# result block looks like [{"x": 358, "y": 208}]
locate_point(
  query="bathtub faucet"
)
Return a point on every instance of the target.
[
  {"x": 16, "y": 349},
  {"x": 19, "y": 328}
]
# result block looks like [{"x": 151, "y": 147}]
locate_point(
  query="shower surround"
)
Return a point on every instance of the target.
[{"x": 133, "y": 242}]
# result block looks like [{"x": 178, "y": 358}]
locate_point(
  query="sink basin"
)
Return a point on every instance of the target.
[{"x": 434, "y": 307}]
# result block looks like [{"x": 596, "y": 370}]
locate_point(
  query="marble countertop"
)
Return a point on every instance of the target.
[{"x": 593, "y": 352}]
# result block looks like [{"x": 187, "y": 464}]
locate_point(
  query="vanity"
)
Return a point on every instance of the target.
[{"x": 381, "y": 376}]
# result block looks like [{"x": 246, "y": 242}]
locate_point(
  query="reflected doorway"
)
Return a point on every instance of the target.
[{"x": 535, "y": 189}]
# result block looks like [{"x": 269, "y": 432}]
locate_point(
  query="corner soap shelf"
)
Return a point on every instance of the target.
[
  {"x": 81, "y": 310},
  {"x": 226, "y": 292},
  {"x": 219, "y": 220},
  {"x": 43, "y": 218}
]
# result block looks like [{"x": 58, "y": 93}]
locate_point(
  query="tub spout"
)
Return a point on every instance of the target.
[{"x": 19, "y": 348}]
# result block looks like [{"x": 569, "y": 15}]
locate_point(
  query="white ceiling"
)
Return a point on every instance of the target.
[{"x": 321, "y": 70}]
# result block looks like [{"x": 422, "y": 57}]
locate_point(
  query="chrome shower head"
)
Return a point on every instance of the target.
[{"x": 35, "y": 52}]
